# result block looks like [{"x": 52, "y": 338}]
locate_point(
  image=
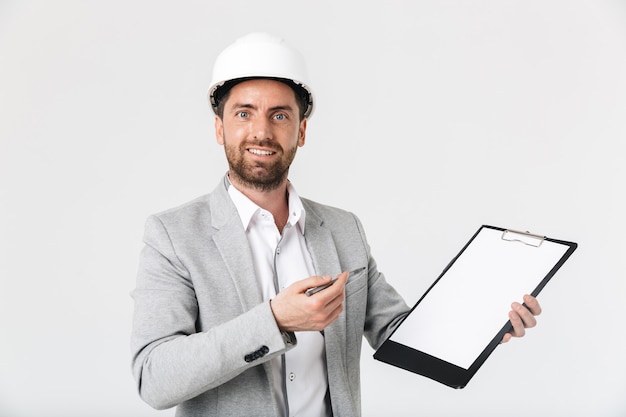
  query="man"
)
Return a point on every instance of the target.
[{"x": 223, "y": 325}]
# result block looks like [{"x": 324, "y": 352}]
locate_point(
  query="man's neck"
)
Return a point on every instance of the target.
[{"x": 275, "y": 201}]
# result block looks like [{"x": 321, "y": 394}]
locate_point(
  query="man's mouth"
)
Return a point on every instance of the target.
[{"x": 260, "y": 152}]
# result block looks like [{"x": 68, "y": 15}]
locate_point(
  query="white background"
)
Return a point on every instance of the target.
[{"x": 432, "y": 118}]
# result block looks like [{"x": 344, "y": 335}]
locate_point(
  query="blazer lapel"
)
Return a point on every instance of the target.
[
  {"x": 234, "y": 248},
  {"x": 320, "y": 244},
  {"x": 326, "y": 262}
]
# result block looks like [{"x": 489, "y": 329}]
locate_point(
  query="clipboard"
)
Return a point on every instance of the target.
[{"x": 457, "y": 323}]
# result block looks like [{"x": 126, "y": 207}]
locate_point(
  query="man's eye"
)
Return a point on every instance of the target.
[
  {"x": 242, "y": 114},
  {"x": 280, "y": 116}
]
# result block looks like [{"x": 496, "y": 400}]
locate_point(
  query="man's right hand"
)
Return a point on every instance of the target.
[{"x": 295, "y": 311}]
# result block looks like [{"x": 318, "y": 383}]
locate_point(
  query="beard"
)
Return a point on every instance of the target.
[{"x": 259, "y": 175}]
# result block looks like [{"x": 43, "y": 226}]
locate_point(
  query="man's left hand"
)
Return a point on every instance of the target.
[{"x": 522, "y": 317}]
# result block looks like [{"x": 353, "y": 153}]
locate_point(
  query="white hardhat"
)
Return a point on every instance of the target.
[{"x": 260, "y": 55}]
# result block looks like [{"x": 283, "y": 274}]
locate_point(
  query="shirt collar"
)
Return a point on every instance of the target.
[{"x": 247, "y": 208}]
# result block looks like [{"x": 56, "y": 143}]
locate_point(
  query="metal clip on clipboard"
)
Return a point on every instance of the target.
[{"x": 526, "y": 238}]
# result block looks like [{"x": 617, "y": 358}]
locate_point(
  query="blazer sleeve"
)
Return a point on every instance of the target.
[
  {"x": 386, "y": 308},
  {"x": 171, "y": 361}
]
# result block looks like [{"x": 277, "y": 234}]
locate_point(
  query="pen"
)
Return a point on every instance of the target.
[{"x": 315, "y": 290}]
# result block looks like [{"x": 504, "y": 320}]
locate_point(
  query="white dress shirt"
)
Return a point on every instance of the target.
[{"x": 299, "y": 377}]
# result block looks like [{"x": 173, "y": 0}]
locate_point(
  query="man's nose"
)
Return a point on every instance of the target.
[{"x": 261, "y": 128}]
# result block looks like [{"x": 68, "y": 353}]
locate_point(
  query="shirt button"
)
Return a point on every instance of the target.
[
  {"x": 292, "y": 376},
  {"x": 278, "y": 250}
]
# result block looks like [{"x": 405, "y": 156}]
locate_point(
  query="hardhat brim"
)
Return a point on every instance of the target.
[{"x": 219, "y": 89}]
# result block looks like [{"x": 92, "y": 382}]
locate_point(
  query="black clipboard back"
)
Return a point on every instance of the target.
[{"x": 532, "y": 260}]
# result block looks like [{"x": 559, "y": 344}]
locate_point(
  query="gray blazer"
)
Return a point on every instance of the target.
[{"x": 202, "y": 335}]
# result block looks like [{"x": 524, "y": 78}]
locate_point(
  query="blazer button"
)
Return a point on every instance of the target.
[{"x": 259, "y": 353}]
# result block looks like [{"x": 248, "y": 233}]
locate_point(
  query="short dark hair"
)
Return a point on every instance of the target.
[{"x": 221, "y": 94}]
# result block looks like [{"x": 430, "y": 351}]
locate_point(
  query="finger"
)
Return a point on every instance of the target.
[
  {"x": 334, "y": 314},
  {"x": 335, "y": 295},
  {"x": 525, "y": 315},
  {"x": 311, "y": 282},
  {"x": 518, "y": 324},
  {"x": 327, "y": 304},
  {"x": 336, "y": 290},
  {"x": 343, "y": 277},
  {"x": 532, "y": 304}
]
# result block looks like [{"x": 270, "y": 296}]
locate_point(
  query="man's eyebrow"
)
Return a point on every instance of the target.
[
  {"x": 242, "y": 106},
  {"x": 285, "y": 107}
]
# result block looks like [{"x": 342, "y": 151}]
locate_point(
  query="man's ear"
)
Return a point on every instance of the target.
[
  {"x": 302, "y": 133},
  {"x": 219, "y": 130}
]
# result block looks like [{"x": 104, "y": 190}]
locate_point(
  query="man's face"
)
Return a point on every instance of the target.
[{"x": 261, "y": 132}]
